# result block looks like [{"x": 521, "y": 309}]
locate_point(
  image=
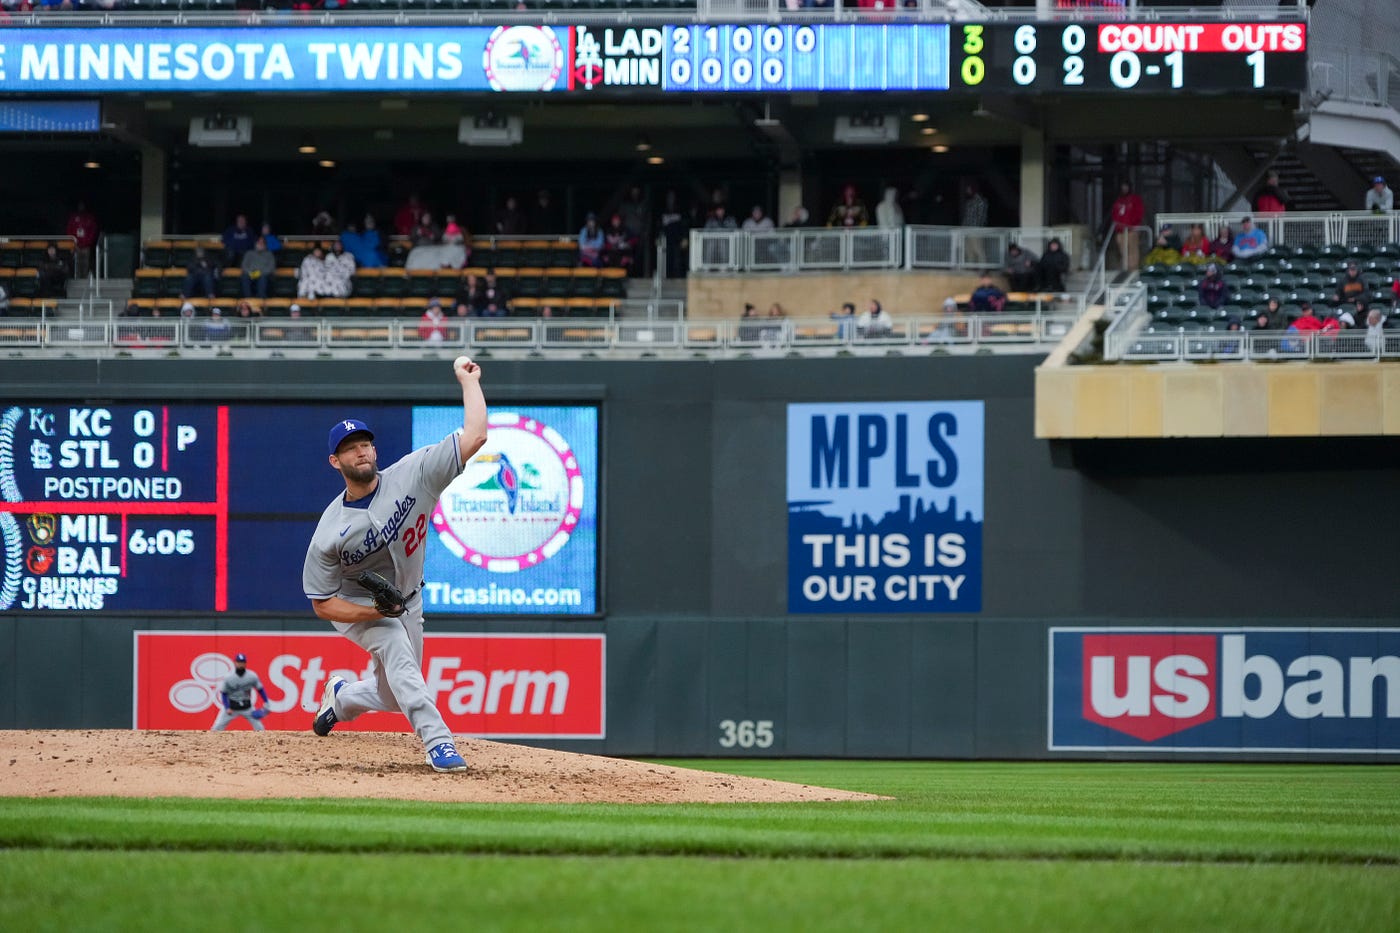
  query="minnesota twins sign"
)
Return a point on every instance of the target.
[{"x": 885, "y": 507}]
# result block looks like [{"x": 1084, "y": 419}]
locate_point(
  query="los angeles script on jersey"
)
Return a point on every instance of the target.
[{"x": 374, "y": 540}]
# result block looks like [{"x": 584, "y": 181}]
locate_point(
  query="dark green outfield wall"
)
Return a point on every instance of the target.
[{"x": 1265, "y": 533}]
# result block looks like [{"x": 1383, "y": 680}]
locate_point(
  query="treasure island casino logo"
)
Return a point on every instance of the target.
[{"x": 517, "y": 502}]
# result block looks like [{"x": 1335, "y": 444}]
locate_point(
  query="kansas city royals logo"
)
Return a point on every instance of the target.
[
  {"x": 42, "y": 527},
  {"x": 516, "y": 503}
]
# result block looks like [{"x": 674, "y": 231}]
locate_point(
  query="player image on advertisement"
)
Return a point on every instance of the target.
[
  {"x": 112, "y": 507},
  {"x": 885, "y": 507},
  {"x": 519, "y": 525}
]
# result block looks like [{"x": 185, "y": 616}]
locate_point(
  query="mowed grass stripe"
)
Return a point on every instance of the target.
[
  {"x": 1200, "y": 813},
  {"x": 118, "y": 891}
]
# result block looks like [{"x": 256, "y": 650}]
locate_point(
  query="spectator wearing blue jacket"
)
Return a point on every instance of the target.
[
  {"x": 270, "y": 238},
  {"x": 365, "y": 245},
  {"x": 238, "y": 239},
  {"x": 1250, "y": 241}
]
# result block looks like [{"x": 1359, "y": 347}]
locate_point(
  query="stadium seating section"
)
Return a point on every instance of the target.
[
  {"x": 19, "y": 272},
  {"x": 533, "y": 273},
  {"x": 1291, "y": 274}
]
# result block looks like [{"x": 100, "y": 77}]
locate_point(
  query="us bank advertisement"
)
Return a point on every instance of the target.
[{"x": 885, "y": 507}]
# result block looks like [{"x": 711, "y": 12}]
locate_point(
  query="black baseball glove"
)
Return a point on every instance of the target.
[{"x": 388, "y": 599}]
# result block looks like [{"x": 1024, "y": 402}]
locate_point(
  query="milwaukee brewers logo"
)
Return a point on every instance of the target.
[
  {"x": 42, "y": 527},
  {"x": 517, "y": 502}
]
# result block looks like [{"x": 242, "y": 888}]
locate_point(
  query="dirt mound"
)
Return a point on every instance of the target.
[{"x": 92, "y": 763}]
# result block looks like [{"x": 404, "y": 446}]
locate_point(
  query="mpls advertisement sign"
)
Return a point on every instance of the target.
[
  {"x": 885, "y": 507},
  {"x": 495, "y": 686},
  {"x": 1222, "y": 689}
]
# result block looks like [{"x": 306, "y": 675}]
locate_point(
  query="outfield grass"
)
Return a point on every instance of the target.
[{"x": 963, "y": 845}]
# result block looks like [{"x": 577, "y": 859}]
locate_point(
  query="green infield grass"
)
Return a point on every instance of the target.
[{"x": 962, "y": 846}]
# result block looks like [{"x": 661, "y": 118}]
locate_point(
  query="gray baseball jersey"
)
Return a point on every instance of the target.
[
  {"x": 240, "y": 687},
  {"x": 386, "y": 532}
]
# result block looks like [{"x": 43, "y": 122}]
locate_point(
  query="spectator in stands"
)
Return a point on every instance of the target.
[
  {"x": 313, "y": 280},
  {"x": 1307, "y": 321},
  {"x": 511, "y": 220},
  {"x": 1379, "y": 198},
  {"x": 874, "y": 321},
  {"x": 258, "y": 265},
  {"x": 433, "y": 328},
  {"x": 340, "y": 271},
  {"x": 757, "y": 221},
  {"x": 1127, "y": 213},
  {"x": 1273, "y": 311},
  {"x": 850, "y": 211},
  {"x": 1375, "y": 330},
  {"x": 888, "y": 213},
  {"x": 545, "y": 216},
  {"x": 1213, "y": 289},
  {"x": 775, "y": 325},
  {"x": 1271, "y": 199},
  {"x": 1054, "y": 266},
  {"x": 987, "y": 296},
  {"x": 270, "y": 238},
  {"x": 247, "y": 311},
  {"x": 1267, "y": 320},
  {"x": 748, "y": 329},
  {"x": 1223, "y": 246},
  {"x": 425, "y": 232},
  {"x": 636, "y": 215},
  {"x": 452, "y": 231},
  {"x": 407, "y": 217},
  {"x": 1251, "y": 241},
  {"x": 974, "y": 215},
  {"x": 590, "y": 242},
  {"x": 493, "y": 308},
  {"x": 1351, "y": 286},
  {"x": 297, "y": 332},
  {"x": 53, "y": 273},
  {"x": 493, "y": 293},
  {"x": 217, "y": 328},
  {"x": 1166, "y": 248},
  {"x": 675, "y": 229},
  {"x": 801, "y": 217},
  {"x": 199, "y": 274},
  {"x": 845, "y": 319},
  {"x": 1195, "y": 247},
  {"x": 719, "y": 219},
  {"x": 238, "y": 239},
  {"x": 323, "y": 225},
  {"x": 1020, "y": 268},
  {"x": 469, "y": 294},
  {"x": 619, "y": 245},
  {"x": 1353, "y": 315},
  {"x": 364, "y": 245},
  {"x": 82, "y": 227}
]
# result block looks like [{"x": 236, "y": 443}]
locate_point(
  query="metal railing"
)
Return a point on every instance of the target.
[
  {"x": 201, "y": 336},
  {"x": 1371, "y": 78},
  {"x": 414, "y": 12},
  {"x": 1264, "y": 346},
  {"x": 842, "y": 249},
  {"x": 1301, "y": 228}
]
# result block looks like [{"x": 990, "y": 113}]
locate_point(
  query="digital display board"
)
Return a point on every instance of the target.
[
  {"x": 665, "y": 59},
  {"x": 210, "y": 508}
]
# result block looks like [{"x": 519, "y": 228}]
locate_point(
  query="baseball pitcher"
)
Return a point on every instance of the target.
[
  {"x": 236, "y": 697},
  {"x": 367, "y": 553}
]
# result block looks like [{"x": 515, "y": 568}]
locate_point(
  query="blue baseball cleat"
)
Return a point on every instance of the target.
[
  {"x": 325, "y": 718},
  {"x": 443, "y": 757}
]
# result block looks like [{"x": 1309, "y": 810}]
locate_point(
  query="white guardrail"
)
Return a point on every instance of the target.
[
  {"x": 823, "y": 249},
  {"x": 1300, "y": 228},
  {"x": 140, "y": 337},
  {"x": 1260, "y": 346}
]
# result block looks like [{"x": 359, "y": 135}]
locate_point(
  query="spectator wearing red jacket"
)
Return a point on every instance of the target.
[
  {"x": 82, "y": 227},
  {"x": 1223, "y": 246},
  {"x": 406, "y": 220},
  {"x": 1308, "y": 321},
  {"x": 1213, "y": 288},
  {"x": 1271, "y": 199},
  {"x": 1127, "y": 213}
]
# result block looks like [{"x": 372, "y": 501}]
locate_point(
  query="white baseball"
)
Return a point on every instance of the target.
[{"x": 461, "y": 363}]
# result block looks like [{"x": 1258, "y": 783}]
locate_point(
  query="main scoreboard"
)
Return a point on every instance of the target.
[{"x": 676, "y": 59}]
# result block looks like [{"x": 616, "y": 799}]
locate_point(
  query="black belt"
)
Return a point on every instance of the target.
[{"x": 409, "y": 598}]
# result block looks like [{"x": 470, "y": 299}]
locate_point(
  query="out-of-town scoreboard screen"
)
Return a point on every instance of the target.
[{"x": 1040, "y": 58}]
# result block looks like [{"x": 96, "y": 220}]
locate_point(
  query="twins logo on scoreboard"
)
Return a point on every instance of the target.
[{"x": 1244, "y": 689}]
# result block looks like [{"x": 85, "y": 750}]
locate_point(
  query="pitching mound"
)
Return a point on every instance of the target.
[{"x": 101, "y": 763}]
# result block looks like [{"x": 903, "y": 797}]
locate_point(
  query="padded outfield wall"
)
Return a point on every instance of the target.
[{"x": 1132, "y": 599}]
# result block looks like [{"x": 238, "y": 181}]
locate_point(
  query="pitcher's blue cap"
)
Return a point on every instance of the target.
[{"x": 343, "y": 429}]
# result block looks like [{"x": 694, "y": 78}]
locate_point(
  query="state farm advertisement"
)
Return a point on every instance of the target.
[{"x": 491, "y": 686}]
